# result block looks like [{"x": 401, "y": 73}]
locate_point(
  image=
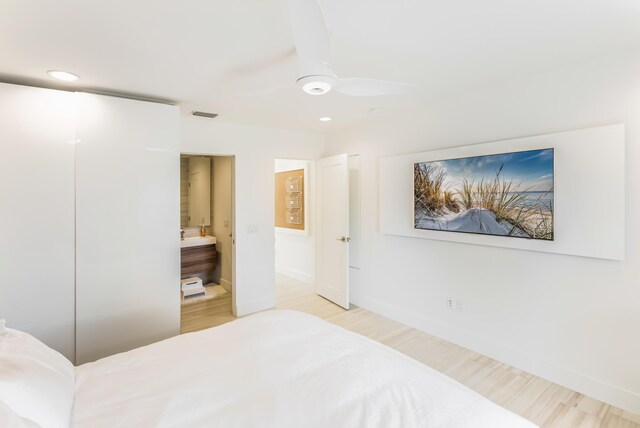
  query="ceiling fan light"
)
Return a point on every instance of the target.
[
  {"x": 317, "y": 85},
  {"x": 316, "y": 88}
]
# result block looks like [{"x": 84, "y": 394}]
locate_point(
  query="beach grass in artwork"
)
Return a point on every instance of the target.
[{"x": 507, "y": 194}]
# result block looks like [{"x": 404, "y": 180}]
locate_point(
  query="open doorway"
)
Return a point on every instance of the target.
[
  {"x": 206, "y": 241},
  {"x": 294, "y": 238},
  {"x": 294, "y": 245},
  {"x": 296, "y": 225}
]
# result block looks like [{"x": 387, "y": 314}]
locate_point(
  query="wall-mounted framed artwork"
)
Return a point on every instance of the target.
[
  {"x": 506, "y": 194},
  {"x": 586, "y": 162},
  {"x": 290, "y": 201}
]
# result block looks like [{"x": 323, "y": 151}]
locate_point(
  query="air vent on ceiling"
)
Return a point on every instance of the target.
[{"x": 204, "y": 114}]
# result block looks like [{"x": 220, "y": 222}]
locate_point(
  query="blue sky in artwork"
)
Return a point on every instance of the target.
[{"x": 532, "y": 170}]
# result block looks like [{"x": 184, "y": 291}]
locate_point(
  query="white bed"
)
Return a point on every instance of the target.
[{"x": 273, "y": 369}]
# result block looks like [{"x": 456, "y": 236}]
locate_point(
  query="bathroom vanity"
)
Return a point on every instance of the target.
[{"x": 198, "y": 257}]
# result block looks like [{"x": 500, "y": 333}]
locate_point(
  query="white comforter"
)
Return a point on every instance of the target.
[{"x": 275, "y": 369}]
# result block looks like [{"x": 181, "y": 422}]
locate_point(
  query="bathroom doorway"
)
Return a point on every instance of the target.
[{"x": 206, "y": 241}]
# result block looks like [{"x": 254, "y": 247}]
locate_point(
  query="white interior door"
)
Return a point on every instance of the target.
[{"x": 332, "y": 239}]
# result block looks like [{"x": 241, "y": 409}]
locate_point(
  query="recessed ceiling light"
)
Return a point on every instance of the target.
[
  {"x": 376, "y": 110},
  {"x": 63, "y": 75},
  {"x": 325, "y": 119}
]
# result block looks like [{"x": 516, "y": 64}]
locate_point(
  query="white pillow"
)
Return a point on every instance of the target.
[
  {"x": 8, "y": 418},
  {"x": 36, "y": 382}
]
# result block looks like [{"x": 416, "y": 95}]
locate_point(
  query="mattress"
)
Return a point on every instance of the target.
[{"x": 275, "y": 369}]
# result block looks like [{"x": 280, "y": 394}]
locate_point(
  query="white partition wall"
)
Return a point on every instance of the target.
[
  {"x": 36, "y": 213},
  {"x": 127, "y": 222}
]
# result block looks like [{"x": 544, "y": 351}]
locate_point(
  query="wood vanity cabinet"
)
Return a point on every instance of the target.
[{"x": 198, "y": 261}]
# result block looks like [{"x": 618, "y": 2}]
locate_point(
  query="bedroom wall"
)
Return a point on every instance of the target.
[
  {"x": 569, "y": 319},
  {"x": 255, "y": 149},
  {"x": 294, "y": 250}
]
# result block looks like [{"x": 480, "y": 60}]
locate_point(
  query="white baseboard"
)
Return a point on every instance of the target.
[
  {"x": 292, "y": 273},
  {"x": 256, "y": 305},
  {"x": 226, "y": 285},
  {"x": 620, "y": 397}
]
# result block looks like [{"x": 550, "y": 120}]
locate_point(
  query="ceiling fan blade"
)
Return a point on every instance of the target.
[
  {"x": 311, "y": 37},
  {"x": 362, "y": 87},
  {"x": 261, "y": 64},
  {"x": 264, "y": 91}
]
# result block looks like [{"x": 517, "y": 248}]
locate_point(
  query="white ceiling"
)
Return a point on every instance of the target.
[{"x": 202, "y": 53}]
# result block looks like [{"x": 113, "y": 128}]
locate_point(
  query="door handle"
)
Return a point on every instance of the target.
[{"x": 343, "y": 239}]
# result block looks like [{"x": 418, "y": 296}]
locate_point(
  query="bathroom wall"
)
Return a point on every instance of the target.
[
  {"x": 184, "y": 195},
  {"x": 184, "y": 191},
  {"x": 222, "y": 217},
  {"x": 211, "y": 229}
]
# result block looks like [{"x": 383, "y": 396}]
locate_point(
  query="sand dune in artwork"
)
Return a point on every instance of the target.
[
  {"x": 475, "y": 220},
  {"x": 492, "y": 206}
]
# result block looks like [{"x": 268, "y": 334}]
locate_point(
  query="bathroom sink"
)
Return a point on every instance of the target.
[{"x": 197, "y": 241}]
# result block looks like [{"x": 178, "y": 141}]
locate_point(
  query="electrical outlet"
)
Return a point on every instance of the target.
[
  {"x": 451, "y": 303},
  {"x": 459, "y": 307},
  {"x": 252, "y": 228}
]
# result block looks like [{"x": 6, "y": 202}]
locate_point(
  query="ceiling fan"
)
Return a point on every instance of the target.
[{"x": 313, "y": 47}]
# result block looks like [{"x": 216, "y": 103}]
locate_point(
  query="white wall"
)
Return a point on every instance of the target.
[
  {"x": 255, "y": 150},
  {"x": 295, "y": 250},
  {"x": 570, "y": 319},
  {"x": 222, "y": 216}
]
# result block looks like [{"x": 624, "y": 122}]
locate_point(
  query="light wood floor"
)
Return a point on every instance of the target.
[
  {"x": 540, "y": 401},
  {"x": 196, "y": 316}
]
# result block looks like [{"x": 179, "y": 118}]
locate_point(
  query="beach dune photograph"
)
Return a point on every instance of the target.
[{"x": 507, "y": 194}]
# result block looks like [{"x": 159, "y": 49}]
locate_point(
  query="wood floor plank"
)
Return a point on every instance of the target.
[
  {"x": 569, "y": 416},
  {"x": 624, "y": 414},
  {"x": 196, "y": 316},
  {"x": 538, "y": 400},
  {"x": 614, "y": 421}
]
